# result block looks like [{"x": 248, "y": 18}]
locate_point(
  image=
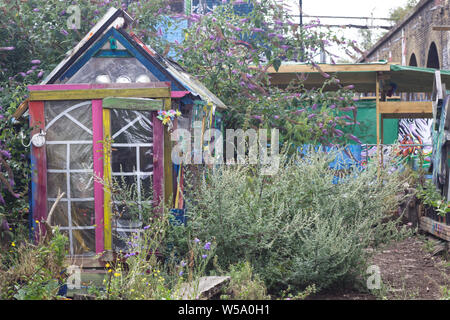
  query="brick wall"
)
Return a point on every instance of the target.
[{"x": 418, "y": 36}]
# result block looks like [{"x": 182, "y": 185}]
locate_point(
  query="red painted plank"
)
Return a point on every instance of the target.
[
  {"x": 39, "y": 169},
  {"x": 158, "y": 160},
  {"x": 97, "y": 130}
]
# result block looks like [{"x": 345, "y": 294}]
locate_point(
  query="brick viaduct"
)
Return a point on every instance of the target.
[{"x": 413, "y": 42}]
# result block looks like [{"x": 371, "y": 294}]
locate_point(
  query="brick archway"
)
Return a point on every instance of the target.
[
  {"x": 413, "y": 60},
  {"x": 433, "y": 57}
]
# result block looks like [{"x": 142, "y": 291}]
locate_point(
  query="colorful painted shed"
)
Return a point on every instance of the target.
[{"x": 95, "y": 118}]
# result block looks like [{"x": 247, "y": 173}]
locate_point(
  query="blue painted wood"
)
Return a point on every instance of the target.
[
  {"x": 113, "y": 54},
  {"x": 87, "y": 55},
  {"x": 149, "y": 62}
]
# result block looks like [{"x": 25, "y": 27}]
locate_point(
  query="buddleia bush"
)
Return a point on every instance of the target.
[{"x": 302, "y": 226}]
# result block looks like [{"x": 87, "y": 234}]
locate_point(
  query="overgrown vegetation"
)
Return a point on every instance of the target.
[{"x": 296, "y": 228}]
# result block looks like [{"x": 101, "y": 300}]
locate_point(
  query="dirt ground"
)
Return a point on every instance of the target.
[{"x": 409, "y": 271}]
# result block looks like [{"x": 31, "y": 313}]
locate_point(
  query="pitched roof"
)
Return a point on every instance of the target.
[{"x": 114, "y": 22}]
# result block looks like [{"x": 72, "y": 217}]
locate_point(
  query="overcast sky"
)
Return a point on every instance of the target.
[{"x": 348, "y": 8}]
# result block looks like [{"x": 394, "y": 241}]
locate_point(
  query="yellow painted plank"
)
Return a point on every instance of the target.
[
  {"x": 107, "y": 176},
  {"x": 46, "y": 95},
  {"x": 401, "y": 107},
  {"x": 298, "y": 68},
  {"x": 168, "y": 178}
]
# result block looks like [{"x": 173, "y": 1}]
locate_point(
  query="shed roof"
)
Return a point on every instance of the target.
[
  {"x": 118, "y": 20},
  {"x": 361, "y": 75}
]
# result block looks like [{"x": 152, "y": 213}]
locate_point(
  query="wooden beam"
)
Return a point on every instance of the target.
[
  {"x": 441, "y": 28},
  {"x": 407, "y": 107},
  {"x": 132, "y": 103},
  {"x": 94, "y": 94},
  {"x": 299, "y": 68}
]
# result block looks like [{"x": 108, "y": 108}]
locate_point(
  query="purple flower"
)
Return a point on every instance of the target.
[
  {"x": 181, "y": 273},
  {"x": 338, "y": 132},
  {"x": 300, "y": 111},
  {"x": 276, "y": 117},
  {"x": 312, "y": 115},
  {"x": 257, "y": 30},
  {"x": 6, "y": 48},
  {"x": 204, "y": 256},
  {"x": 64, "y": 32},
  {"x": 196, "y": 240},
  {"x": 40, "y": 74},
  {"x": 348, "y": 108},
  {"x": 36, "y": 10},
  {"x": 352, "y": 137},
  {"x": 183, "y": 264},
  {"x": 207, "y": 246},
  {"x": 332, "y": 106},
  {"x": 314, "y": 106},
  {"x": 23, "y": 74},
  {"x": 146, "y": 227}
]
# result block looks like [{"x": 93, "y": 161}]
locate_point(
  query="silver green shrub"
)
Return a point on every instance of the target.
[{"x": 297, "y": 228}]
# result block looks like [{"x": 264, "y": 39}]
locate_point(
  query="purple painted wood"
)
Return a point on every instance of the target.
[
  {"x": 97, "y": 130},
  {"x": 158, "y": 160},
  {"x": 39, "y": 169}
]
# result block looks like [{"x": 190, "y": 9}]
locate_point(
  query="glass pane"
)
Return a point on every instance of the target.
[
  {"x": 81, "y": 156},
  {"x": 83, "y": 213},
  {"x": 130, "y": 67},
  {"x": 59, "y": 216},
  {"x": 83, "y": 115},
  {"x": 65, "y": 129},
  {"x": 146, "y": 188},
  {"x": 139, "y": 132},
  {"x": 123, "y": 159},
  {"x": 81, "y": 185},
  {"x": 84, "y": 241},
  {"x": 55, "y": 182},
  {"x": 56, "y": 156},
  {"x": 146, "y": 159}
]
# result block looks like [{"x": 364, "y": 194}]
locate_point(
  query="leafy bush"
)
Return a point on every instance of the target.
[
  {"x": 245, "y": 284},
  {"x": 297, "y": 228},
  {"x": 34, "y": 272}
]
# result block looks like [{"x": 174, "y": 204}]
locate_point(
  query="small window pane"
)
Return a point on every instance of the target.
[
  {"x": 83, "y": 213},
  {"x": 56, "y": 156},
  {"x": 55, "y": 182},
  {"x": 59, "y": 216},
  {"x": 81, "y": 185},
  {"x": 123, "y": 159}
]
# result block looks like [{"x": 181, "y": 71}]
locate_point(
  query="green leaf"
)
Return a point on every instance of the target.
[{"x": 277, "y": 64}]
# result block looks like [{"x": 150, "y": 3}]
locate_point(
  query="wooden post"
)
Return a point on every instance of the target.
[
  {"x": 168, "y": 177},
  {"x": 38, "y": 170},
  {"x": 377, "y": 101},
  {"x": 158, "y": 160},
  {"x": 107, "y": 176},
  {"x": 97, "y": 130}
]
